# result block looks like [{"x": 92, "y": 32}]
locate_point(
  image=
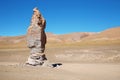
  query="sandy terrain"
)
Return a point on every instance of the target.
[
  {"x": 68, "y": 71},
  {"x": 78, "y": 63}
]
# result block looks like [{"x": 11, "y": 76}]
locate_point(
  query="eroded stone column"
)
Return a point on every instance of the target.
[{"x": 36, "y": 39}]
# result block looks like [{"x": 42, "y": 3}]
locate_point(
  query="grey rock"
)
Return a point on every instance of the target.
[{"x": 36, "y": 39}]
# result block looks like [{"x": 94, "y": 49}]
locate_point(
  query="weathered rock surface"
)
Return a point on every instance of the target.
[{"x": 36, "y": 39}]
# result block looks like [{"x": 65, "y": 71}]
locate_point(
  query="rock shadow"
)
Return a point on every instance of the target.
[{"x": 56, "y": 65}]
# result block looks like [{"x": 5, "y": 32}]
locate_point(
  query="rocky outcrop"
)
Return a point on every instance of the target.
[{"x": 36, "y": 39}]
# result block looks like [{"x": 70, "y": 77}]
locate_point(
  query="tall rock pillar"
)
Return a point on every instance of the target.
[{"x": 36, "y": 39}]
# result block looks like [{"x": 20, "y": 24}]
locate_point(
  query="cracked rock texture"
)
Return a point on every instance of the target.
[{"x": 36, "y": 39}]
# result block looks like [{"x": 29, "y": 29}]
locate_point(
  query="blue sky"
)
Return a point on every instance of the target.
[{"x": 62, "y": 16}]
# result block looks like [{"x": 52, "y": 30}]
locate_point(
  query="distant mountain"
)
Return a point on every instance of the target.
[
  {"x": 13, "y": 39},
  {"x": 110, "y": 34},
  {"x": 72, "y": 37},
  {"x": 20, "y": 41}
]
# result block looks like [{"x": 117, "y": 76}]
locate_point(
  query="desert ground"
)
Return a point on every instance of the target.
[
  {"x": 84, "y": 56},
  {"x": 78, "y": 63}
]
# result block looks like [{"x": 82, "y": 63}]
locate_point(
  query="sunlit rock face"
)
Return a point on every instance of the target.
[{"x": 36, "y": 39}]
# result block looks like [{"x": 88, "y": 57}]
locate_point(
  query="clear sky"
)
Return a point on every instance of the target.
[{"x": 62, "y": 16}]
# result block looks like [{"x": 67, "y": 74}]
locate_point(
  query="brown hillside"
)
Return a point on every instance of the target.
[
  {"x": 80, "y": 37},
  {"x": 110, "y": 34},
  {"x": 74, "y": 37}
]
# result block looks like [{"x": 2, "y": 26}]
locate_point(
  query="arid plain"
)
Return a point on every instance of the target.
[{"x": 84, "y": 56}]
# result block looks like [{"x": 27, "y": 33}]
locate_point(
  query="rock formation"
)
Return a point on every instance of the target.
[{"x": 36, "y": 39}]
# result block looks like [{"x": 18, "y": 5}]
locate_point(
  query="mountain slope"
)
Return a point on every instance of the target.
[{"x": 111, "y": 36}]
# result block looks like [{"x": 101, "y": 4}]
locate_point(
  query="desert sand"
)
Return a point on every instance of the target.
[
  {"x": 78, "y": 63},
  {"x": 68, "y": 71}
]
